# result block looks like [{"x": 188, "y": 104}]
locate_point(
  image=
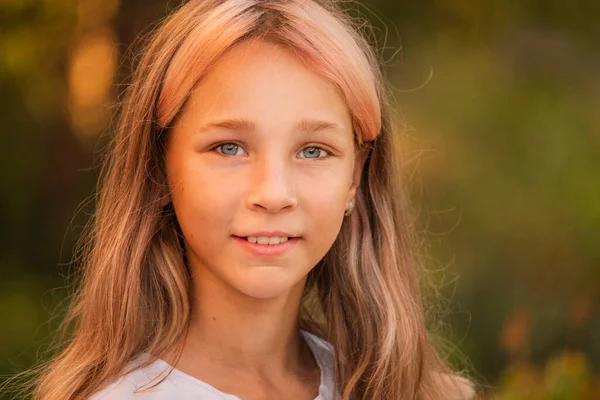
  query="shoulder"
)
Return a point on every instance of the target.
[
  {"x": 131, "y": 385},
  {"x": 148, "y": 380},
  {"x": 320, "y": 347},
  {"x": 155, "y": 381},
  {"x": 456, "y": 387},
  {"x": 323, "y": 352}
]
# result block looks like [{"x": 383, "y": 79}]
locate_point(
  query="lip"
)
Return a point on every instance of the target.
[
  {"x": 269, "y": 250},
  {"x": 269, "y": 233}
]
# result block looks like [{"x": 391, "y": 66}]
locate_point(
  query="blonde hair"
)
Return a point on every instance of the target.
[{"x": 363, "y": 296}]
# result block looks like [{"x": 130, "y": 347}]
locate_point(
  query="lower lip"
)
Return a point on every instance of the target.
[{"x": 271, "y": 250}]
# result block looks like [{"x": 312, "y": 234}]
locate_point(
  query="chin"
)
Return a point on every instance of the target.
[{"x": 266, "y": 282}]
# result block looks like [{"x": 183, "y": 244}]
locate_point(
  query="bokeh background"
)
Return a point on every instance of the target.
[{"x": 498, "y": 105}]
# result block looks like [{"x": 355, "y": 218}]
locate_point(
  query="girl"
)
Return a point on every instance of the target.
[{"x": 250, "y": 239}]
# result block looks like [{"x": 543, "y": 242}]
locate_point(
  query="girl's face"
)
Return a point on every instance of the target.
[{"x": 247, "y": 155}]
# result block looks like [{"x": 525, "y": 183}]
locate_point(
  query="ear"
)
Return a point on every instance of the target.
[
  {"x": 166, "y": 199},
  {"x": 359, "y": 162}
]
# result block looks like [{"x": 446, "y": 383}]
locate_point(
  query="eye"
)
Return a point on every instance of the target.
[
  {"x": 231, "y": 149},
  {"x": 312, "y": 150},
  {"x": 228, "y": 149}
]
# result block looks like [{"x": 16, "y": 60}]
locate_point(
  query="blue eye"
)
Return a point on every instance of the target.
[
  {"x": 231, "y": 149},
  {"x": 228, "y": 149},
  {"x": 314, "y": 151}
]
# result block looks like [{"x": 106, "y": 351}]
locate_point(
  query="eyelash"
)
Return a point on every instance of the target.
[{"x": 218, "y": 145}]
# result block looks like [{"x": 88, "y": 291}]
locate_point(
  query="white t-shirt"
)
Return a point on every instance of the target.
[{"x": 181, "y": 386}]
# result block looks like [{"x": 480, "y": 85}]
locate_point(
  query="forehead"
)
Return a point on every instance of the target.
[{"x": 268, "y": 84}]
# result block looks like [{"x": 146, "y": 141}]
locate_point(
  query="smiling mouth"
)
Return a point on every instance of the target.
[
  {"x": 264, "y": 240},
  {"x": 267, "y": 249}
]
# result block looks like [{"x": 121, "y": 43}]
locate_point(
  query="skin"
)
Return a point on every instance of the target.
[{"x": 244, "y": 337}]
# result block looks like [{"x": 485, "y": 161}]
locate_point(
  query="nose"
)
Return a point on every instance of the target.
[{"x": 272, "y": 187}]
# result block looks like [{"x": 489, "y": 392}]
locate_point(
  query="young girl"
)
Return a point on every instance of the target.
[{"x": 250, "y": 239}]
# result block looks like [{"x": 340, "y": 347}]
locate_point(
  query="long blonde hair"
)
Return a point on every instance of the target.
[{"x": 133, "y": 292}]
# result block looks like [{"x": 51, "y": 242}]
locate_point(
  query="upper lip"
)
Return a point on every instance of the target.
[{"x": 269, "y": 233}]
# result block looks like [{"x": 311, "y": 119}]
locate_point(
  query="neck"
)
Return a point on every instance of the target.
[{"x": 235, "y": 332}]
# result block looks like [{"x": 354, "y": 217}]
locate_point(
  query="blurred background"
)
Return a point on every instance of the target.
[{"x": 498, "y": 104}]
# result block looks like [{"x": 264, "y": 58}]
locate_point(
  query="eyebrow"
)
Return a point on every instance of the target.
[{"x": 308, "y": 125}]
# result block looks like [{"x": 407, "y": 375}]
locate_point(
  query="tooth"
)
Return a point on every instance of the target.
[{"x": 267, "y": 239}]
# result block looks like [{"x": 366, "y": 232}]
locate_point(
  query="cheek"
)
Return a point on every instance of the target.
[
  {"x": 325, "y": 193},
  {"x": 203, "y": 203},
  {"x": 325, "y": 204}
]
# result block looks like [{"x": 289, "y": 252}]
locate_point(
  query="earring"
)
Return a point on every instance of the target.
[{"x": 349, "y": 209}]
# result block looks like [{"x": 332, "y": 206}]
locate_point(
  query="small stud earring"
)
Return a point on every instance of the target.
[{"x": 349, "y": 209}]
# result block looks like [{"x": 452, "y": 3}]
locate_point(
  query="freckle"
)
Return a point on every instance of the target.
[{"x": 214, "y": 319}]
